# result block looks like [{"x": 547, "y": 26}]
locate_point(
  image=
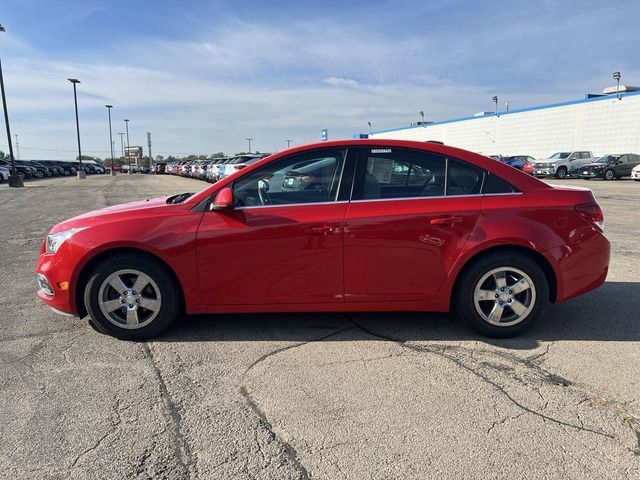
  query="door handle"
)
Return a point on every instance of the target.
[
  {"x": 319, "y": 230},
  {"x": 449, "y": 221}
]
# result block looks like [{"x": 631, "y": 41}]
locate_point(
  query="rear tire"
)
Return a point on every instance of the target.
[
  {"x": 131, "y": 297},
  {"x": 502, "y": 294}
]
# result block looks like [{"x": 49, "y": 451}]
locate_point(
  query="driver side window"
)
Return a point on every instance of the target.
[{"x": 311, "y": 177}]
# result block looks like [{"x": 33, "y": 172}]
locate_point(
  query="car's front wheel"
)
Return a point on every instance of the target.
[
  {"x": 561, "y": 173},
  {"x": 609, "y": 175},
  {"x": 131, "y": 297},
  {"x": 501, "y": 295}
]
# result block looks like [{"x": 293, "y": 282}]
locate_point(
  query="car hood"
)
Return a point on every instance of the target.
[
  {"x": 548, "y": 161},
  {"x": 97, "y": 216},
  {"x": 593, "y": 165}
]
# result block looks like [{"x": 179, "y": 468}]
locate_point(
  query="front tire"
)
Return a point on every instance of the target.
[
  {"x": 502, "y": 295},
  {"x": 609, "y": 175},
  {"x": 561, "y": 173},
  {"x": 131, "y": 297}
]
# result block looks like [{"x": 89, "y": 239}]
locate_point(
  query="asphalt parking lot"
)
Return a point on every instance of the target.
[{"x": 324, "y": 396}]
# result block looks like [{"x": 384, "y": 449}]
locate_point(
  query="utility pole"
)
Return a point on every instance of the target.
[
  {"x": 15, "y": 180},
  {"x": 81, "y": 172},
  {"x": 149, "y": 145},
  {"x": 126, "y": 122},
  {"x": 122, "y": 144},
  {"x": 109, "y": 107}
]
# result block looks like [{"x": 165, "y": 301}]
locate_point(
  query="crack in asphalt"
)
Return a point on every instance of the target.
[
  {"x": 442, "y": 352},
  {"x": 181, "y": 449},
  {"x": 289, "y": 451}
]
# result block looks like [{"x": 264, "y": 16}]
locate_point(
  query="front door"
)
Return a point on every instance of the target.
[
  {"x": 283, "y": 243},
  {"x": 410, "y": 216}
]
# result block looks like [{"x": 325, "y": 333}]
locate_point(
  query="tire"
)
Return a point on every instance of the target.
[
  {"x": 480, "y": 277},
  {"x": 561, "y": 173},
  {"x": 609, "y": 175},
  {"x": 156, "y": 306}
]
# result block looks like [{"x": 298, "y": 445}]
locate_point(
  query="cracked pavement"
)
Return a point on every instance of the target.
[{"x": 297, "y": 396}]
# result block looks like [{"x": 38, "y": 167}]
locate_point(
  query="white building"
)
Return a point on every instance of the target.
[{"x": 601, "y": 123}]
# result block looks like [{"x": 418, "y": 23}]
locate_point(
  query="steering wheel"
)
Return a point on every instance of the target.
[{"x": 263, "y": 188}]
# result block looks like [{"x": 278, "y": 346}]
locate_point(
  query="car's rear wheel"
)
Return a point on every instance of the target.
[
  {"x": 561, "y": 173},
  {"x": 609, "y": 175},
  {"x": 501, "y": 295},
  {"x": 131, "y": 297}
]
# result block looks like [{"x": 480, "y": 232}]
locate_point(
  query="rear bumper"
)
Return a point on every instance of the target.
[{"x": 584, "y": 263}]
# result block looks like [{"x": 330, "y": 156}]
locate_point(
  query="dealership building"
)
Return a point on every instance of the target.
[{"x": 602, "y": 123}]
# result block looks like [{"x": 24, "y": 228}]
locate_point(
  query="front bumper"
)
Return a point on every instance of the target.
[
  {"x": 546, "y": 171},
  {"x": 53, "y": 276},
  {"x": 589, "y": 174}
]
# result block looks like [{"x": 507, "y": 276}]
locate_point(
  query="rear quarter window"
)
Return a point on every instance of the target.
[{"x": 494, "y": 184}]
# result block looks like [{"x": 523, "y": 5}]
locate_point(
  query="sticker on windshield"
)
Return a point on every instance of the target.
[{"x": 380, "y": 150}]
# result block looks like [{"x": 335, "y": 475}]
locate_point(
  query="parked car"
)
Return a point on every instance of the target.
[
  {"x": 4, "y": 174},
  {"x": 635, "y": 173},
  {"x": 240, "y": 162},
  {"x": 562, "y": 164},
  {"x": 41, "y": 170},
  {"x": 610, "y": 167},
  {"x": 68, "y": 168},
  {"x": 55, "y": 169},
  {"x": 160, "y": 168},
  {"x": 27, "y": 172},
  {"x": 518, "y": 161},
  {"x": 474, "y": 235}
]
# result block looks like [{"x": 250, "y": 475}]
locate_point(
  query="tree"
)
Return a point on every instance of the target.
[
  {"x": 2, "y": 155},
  {"x": 218, "y": 155},
  {"x": 159, "y": 158}
]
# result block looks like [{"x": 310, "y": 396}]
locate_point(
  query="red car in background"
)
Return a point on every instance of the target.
[{"x": 384, "y": 225}]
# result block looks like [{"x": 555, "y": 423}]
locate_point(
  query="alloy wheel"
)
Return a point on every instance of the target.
[
  {"x": 504, "y": 296},
  {"x": 129, "y": 299}
]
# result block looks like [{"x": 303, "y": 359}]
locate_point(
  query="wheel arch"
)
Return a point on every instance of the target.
[
  {"x": 536, "y": 256},
  {"x": 87, "y": 268}
]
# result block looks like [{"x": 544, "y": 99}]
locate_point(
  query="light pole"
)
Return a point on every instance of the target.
[
  {"x": 109, "y": 107},
  {"x": 249, "y": 140},
  {"x": 506, "y": 104},
  {"x": 616, "y": 77},
  {"x": 495, "y": 100},
  {"x": 288, "y": 143},
  {"x": 122, "y": 143},
  {"x": 128, "y": 151},
  {"x": 81, "y": 173},
  {"x": 369, "y": 123},
  {"x": 15, "y": 180},
  {"x": 421, "y": 113}
]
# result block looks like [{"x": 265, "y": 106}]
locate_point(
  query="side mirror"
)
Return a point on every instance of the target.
[{"x": 223, "y": 200}]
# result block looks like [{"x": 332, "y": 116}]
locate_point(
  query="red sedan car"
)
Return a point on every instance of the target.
[{"x": 362, "y": 225}]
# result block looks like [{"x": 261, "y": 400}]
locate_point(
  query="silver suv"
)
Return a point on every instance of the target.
[{"x": 562, "y": 164}]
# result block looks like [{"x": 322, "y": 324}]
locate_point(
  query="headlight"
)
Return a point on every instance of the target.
[{"x": 54, "y": 240}]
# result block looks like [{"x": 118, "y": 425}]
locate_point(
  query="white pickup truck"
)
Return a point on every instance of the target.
[{"x": 562, "y": 164}]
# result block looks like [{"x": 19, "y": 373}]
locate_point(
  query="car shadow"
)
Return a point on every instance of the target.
[{"x": 609, "y": 313}]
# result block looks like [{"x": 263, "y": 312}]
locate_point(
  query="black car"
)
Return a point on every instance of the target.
[
  {"x": 41, "y": 170},
  {"x": 59, "y": 168},
  {"x": 27, "y": 172},
  {"x": 610, "y": 167}
]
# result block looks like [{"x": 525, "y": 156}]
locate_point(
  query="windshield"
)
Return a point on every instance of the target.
[
  {"x": 560, "y": 155},
  {"x": 607, "y": 159}
]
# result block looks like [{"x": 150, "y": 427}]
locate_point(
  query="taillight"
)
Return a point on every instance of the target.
[{"x": 592, "y": 213}]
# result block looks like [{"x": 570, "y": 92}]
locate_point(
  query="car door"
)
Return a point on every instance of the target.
[
  {"x": 410, "y": 215},
  {"x": 276, "y": 246}
]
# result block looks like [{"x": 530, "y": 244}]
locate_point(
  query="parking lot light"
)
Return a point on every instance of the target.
[
  {"x": 288, "y": 143},
  {"x": 249, "y": 140},
  {"x": 109, "y": 107},
  {"x": 128, "y": 152},
  {"x": 15, "y": 180},
  {"x": 81, "y": 173},
  {"x": 616, "y": 77},
  {"x": 495, "y": 100}
]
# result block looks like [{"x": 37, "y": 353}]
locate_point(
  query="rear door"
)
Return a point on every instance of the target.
[{"x": 410, "y": 215}]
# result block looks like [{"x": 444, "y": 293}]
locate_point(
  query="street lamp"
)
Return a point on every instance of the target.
[
  {"x": 109, "y": 107},
  {"x": 81, "y": 173},
  {"x": 369, "y": 123},
  {"x": 616, "y": 77},
  {"x": 15, "y": 180},
  {"x": 288, "y": 143},
  {"x": 122, "y": 143},
  {"x": 128, "y": 151},
  {"x": 495, "y": 100},
  {"x": 421, "y": 113},
  {"x": 249, "y": 140}
]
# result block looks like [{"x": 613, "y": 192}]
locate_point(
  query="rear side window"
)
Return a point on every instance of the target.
[
  {"x": 463, "y": 179},
  {"x": 386, "y": 173},
  {"x": 494, "y": 184}
]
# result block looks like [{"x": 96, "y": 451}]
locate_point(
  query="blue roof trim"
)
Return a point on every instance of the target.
[{"x": 511, "y": 112}]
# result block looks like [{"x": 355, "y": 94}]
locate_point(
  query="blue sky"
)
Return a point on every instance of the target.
[{"x": 203, "y": 76}]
